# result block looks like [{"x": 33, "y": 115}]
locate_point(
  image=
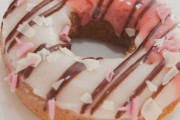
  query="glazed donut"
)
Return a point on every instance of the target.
[{"x": 58, "y": 85}]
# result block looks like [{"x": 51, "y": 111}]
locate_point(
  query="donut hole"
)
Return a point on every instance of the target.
[
  {"x": 92, "y": 48},
  {"x": 97, "y": 39}
]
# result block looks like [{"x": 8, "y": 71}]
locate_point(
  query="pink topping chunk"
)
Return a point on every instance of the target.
[
  {"x": 109, "y": 75},
  {"x": 23, "y": 47},
  {"x": 12, "y": 79},
  {"x": 163, "y": 12},
  {"x": 132, "y": 108},
  {"x": 51, "y": 106}
]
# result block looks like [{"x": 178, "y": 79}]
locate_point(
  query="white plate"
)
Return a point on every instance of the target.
[{"x": 10, "y": 106}]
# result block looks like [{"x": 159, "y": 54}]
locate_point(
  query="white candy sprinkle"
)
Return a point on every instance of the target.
[
  {"x": 138, "y": 6},
  {"x": 67, "y": 52},
  {"x": 129, "y": 3},
  {"x": 26, "y": 30},
  {"x": 86, "y": 98},
  {"x": 53, "y": 57},
  {"x": 39, "y": 20},
  {"x": 159, "y": 42},
  {"x": 44, "y": 53},
  {"x": 151, "y": 86},
  {"x": 32, "y": 59},
  {"x": 131, "y": 32},
  {"x": 171, "y": 74},
  {"x": 150, "y": 110},
  {"x": 57, "y": 84},
  {"x": 38, "y": 92},
  {"x": 171, "y": 58},
  {"x": 91, "y": 64}
]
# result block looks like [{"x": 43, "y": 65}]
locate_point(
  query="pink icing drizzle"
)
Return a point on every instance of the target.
[
  {"x": 51, "y": 106},
  {"x": 64, "y": 33},
  {"x": 163, "y": 12},
  {"x": 23, "y": 47},
  {"x": 109, "y": 75}
]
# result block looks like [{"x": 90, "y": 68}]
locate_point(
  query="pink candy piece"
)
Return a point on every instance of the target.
[
  {"x": 135, "y": 108},
  {"x": 64, "y": 33},
  {"x": 20, "y": 2},
  {"x": 109, "y": 75},
  {"x": 14, "y": 82},
  {"x": 154, "y": 57},
  {"x": 23, "y": 47},
  {"x": 12, "y": 79},
  {"x": 51, "y": 106},
  {"x": 132, "y": 108},
  {"x": 169, "y": 45},
  {"x": 170, "y": 36},
  {"x": 163, "y": 12}
]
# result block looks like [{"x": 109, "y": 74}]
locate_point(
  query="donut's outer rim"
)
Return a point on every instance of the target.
[{"x": 36, "y": 104}]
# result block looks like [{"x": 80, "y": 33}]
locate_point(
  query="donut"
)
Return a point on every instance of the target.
[{"x": 56, "y": 84}]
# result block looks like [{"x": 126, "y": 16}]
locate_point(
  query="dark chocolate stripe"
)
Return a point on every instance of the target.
[
  {"x": 150, "y": 4},
  {"x": 153, "y": 31},
  {"x": 68, "y": 75},
  {"x": 56, "y": 47},
  {"x": 54, "y": 9},
  {"x": 106, "y": 10},
  {"x": 142, "y": 87},
  {"x": 97, "y": 11},
  {"x": 130, "y": 17},
  {"x": 119, "y": 80},
  {"x": 47, "y": 13},
  {"x": 10, "y": 9},
  {"x": 26, "y": 17},
  {"x": 40, "y": 47},
  {"x": 104, "y": 83}
]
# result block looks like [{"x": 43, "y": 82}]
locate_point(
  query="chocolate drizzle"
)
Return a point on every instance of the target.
[
  {"x": 68, "y": 75},
  {"x": 119, "y": 80},
  {"x": 47, "y": 13},
  {"x": 142, "y": 87},
  {"x": 117, "y": 70},
  {"x": 150, "y": 4},
  {"x": 26, "y": 17},
  {"x": 11, "y": 8},
  {"x": 98, "y": 13},
  {"x": 130, "y": 17}
]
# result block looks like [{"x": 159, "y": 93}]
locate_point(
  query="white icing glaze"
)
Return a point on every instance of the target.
[{"x": 53, "y": 65}]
